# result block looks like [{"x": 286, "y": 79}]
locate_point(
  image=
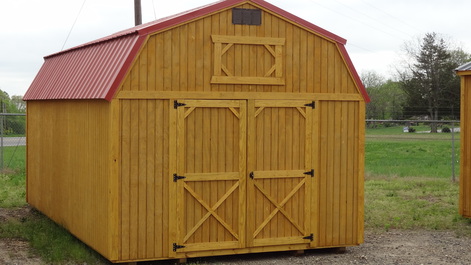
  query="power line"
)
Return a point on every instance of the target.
[
  {"x": 392, "y": 16},
  {"x": 372, "y": 18},
  {"x": 356, "y": 19},
  {"x": 73, "y": 25},
  {"x": 153, "y": 8}
]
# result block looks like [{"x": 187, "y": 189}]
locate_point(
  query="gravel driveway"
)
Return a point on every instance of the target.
[{"x": 393, "y": 247}]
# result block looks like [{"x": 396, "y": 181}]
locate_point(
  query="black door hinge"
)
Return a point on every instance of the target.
[
  {"x": 310, "y": 237},
  {"x": 177, "y": 247},
  {"x": 312, "y": 105},
  {"x": 251, "y": 175},
  {"x": 177, "y": 104},
  {"x": 311, "y": 173},
  {"x": 176, "y": 177}
]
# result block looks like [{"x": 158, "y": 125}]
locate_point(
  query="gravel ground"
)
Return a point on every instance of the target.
[{"x": 394, "y": 247}]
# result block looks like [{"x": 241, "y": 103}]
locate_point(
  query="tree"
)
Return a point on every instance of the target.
[
  {"x": 387, "y": 98},
  {"x": 11, "y": 124},
  {"x": 18, "y": 103},
  {"x": 429, "y": 81}
]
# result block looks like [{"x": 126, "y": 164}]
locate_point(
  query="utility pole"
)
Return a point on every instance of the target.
[{"x": 137, "y": 12}]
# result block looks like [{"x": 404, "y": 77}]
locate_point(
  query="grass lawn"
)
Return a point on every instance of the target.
[{"x": 390, "y": 152}]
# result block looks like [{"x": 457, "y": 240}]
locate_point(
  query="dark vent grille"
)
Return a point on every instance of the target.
[{"x": 241, "y": 16}]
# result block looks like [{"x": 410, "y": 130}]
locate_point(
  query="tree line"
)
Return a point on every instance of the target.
[
  {"x": 425, "y": 87},
  {"x": 12, "y": 125}
]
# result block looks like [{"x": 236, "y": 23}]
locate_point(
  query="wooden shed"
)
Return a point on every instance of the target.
[
  {"x": 464, "y": 72},
  {"x": 233, "y": 128}
]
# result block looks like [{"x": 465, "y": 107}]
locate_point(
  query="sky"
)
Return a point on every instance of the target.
[{"x": 376, "y": 30}]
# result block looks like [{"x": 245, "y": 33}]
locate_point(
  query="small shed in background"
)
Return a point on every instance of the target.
[
  {"x": 464, "y": 72},
  {"x": 233, "y": 128}
]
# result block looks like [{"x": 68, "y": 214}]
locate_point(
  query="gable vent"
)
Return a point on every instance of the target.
[{"x": 242, "y": 16}]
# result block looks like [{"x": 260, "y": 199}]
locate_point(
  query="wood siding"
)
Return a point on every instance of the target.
[
  {"x": 340, "y": 179},
  {"x": 144, "y": 202},
  {"x": 68, "y": 168},
  {"x": 465, "y": 165},
  {"x": 183, "y": 58},
  {"x": 261, "y": 179}
]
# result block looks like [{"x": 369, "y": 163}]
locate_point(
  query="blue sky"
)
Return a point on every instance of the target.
[{"x": 376, "y": 30}]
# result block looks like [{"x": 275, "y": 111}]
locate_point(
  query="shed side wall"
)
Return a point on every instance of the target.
[
  {"x": 182, "y": 58},
  {"x": 465, "y": 171},
  {"x": 340, "y": 177},
  {"x": 68, "y": 167}
]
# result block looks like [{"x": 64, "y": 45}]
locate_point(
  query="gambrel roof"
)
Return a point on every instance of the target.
[{"x": 96, "y": 69}]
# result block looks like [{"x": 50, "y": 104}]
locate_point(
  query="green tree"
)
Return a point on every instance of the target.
[
  {"x": 19, "y": 103},
  {"x": 429, "y": 80},
  {"x": 387, "y": 97},
  {"x": 11, "y": 124}
]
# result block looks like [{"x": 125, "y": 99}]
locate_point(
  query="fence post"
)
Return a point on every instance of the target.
[
  {"x": 453, "y": 179},
  {"x": 2, "y": 124}
]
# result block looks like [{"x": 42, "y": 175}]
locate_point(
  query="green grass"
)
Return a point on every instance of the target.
[
  {"x": 413, "y": 203},
  {"x": 12, "y": 178},
  {"x": 52, "y": 242},
  {"x": 410, "y": 154},
  {"x": 14, "y": 157}
]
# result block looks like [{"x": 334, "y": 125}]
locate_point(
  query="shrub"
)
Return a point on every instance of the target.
[
  {"x": 411, "y": 130},
  {"x": 446, "y": 130}
]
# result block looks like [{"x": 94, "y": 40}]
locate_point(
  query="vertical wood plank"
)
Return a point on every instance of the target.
[
  {"x": 167, "y": 61},
  {"x": 125, "y": 183},
  {"x": 361, "y": 170},
  {"x": 344, "y": 174},
  {"x": 134, "y": 180},
  {"x": 159, "y": 177},
  {"x": 200, "y": 58},
  {"x": 176, "y": 60},
  {"x": 114, "y": 184},
  {"x": 295, "y": 69},
  {"x": 350, "y": 169},
  {"x": 315, "y": 184},
  {"x": 159, "y": 62},
  {"x": 308, "y": 165},
  {"x": 142, "y": 178},
  {"x": 242, "y": 171},
  {"x": 183, "y": 78},
  {"x": 252, "y": 216},
  {"x": 217, "y": 58},
  {"x": 151, "y": 159},
  {"x": 207, "y": 52},
  {"x": 173, "y": 228}
]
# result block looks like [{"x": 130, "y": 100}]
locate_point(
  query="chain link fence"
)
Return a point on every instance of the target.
[
  {"x": 411, "y": 132},
  {"x": 417, "y": 133},
  {"x": 12, "y": 141}
]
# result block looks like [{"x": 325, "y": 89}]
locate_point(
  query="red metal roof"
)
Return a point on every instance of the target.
[{"x": 95, "y": 69}]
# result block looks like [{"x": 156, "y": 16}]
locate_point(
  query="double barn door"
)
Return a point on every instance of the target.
[{"x": 243, "y": 173}]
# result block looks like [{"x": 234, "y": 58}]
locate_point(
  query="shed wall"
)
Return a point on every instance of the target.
[
  {"x": 465, "y": 164},
  {"x": 183, "y": 59},
  {"x": 340, "y": 181},
  {"x": 147, "y": 209},
  {"x": 68, "y": 167}
]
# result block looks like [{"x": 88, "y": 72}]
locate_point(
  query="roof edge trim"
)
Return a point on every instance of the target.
[{"x": 126, "y": 67}]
